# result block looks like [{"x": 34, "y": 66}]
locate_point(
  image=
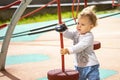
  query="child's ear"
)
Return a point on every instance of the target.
[{"x": 92, "y": 25}]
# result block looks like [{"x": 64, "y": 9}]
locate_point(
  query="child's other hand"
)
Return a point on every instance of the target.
[{"x": 64, "y": 51}]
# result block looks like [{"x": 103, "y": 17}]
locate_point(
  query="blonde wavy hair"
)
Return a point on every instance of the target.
[{"x": 88, "y": 12}]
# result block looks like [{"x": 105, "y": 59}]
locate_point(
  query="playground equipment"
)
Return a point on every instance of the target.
[
  {"x": 2, "y": 26},
  {"x": 57, "y": 74},
  {"x": 77, "y": 9},
  {"x": 6, "y": 7},
  {"x": 10, "y": 5},
  {"x": 10, "y": 30},
  {"x": 62, "y": 74},
  {"x": 39, "y": 30},
  {"x": 115, "y": 4}
]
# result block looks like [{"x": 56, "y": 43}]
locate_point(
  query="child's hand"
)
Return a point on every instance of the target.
[{"x": 64, "y": 51}]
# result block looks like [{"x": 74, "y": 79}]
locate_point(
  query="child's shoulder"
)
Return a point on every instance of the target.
[{"x": 88, "y": 34}]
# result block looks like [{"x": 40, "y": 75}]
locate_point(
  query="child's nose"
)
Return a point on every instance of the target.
[{"x": 79, "y": 25}]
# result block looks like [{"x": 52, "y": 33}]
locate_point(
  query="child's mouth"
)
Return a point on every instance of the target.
[{"x": 79, "y": 29}]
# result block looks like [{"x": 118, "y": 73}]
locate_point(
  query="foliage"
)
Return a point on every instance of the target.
[{"x": 47, "y": 17}]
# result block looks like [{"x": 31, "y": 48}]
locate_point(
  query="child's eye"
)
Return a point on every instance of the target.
[
  {"x": 80, "y": 24},
  {"x": 83, "y": 24}
]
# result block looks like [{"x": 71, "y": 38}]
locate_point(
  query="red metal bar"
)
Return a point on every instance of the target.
[
  {"x": 113, "y": 3},
  {"x": 61, "y": 35},
  {"x": 85, "y": 3},
  {"x": 116, "y": 4},
  {"x": 17, "y": 2},
  {"x": 3, "y": 26},
  {"x": 10, "y": 5},
  {"x": 77, "y": 10},
  {"x": 73, "y": 10},
  {"x": 37, "y": 9}
]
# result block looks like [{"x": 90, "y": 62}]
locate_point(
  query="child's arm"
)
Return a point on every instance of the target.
[
  {"x": 69, "y": 34},
  {"x": 81, "y": 45}
]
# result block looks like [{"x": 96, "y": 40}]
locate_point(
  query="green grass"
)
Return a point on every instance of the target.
[
  {"x": 107, "y": 11},
  {"x": 48, "y": 17},
  {"x": 40, "y": 18}
]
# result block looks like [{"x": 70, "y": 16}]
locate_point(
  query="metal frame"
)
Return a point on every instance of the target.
[
  {"x": 115, "y": 4},
  {"x": 10, "y": 30}
]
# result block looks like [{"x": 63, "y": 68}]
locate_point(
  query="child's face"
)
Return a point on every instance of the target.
[{"x": 84, "y": 25}]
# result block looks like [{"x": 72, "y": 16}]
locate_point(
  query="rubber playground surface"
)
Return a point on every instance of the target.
[{"x": 30, "y": 57}]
